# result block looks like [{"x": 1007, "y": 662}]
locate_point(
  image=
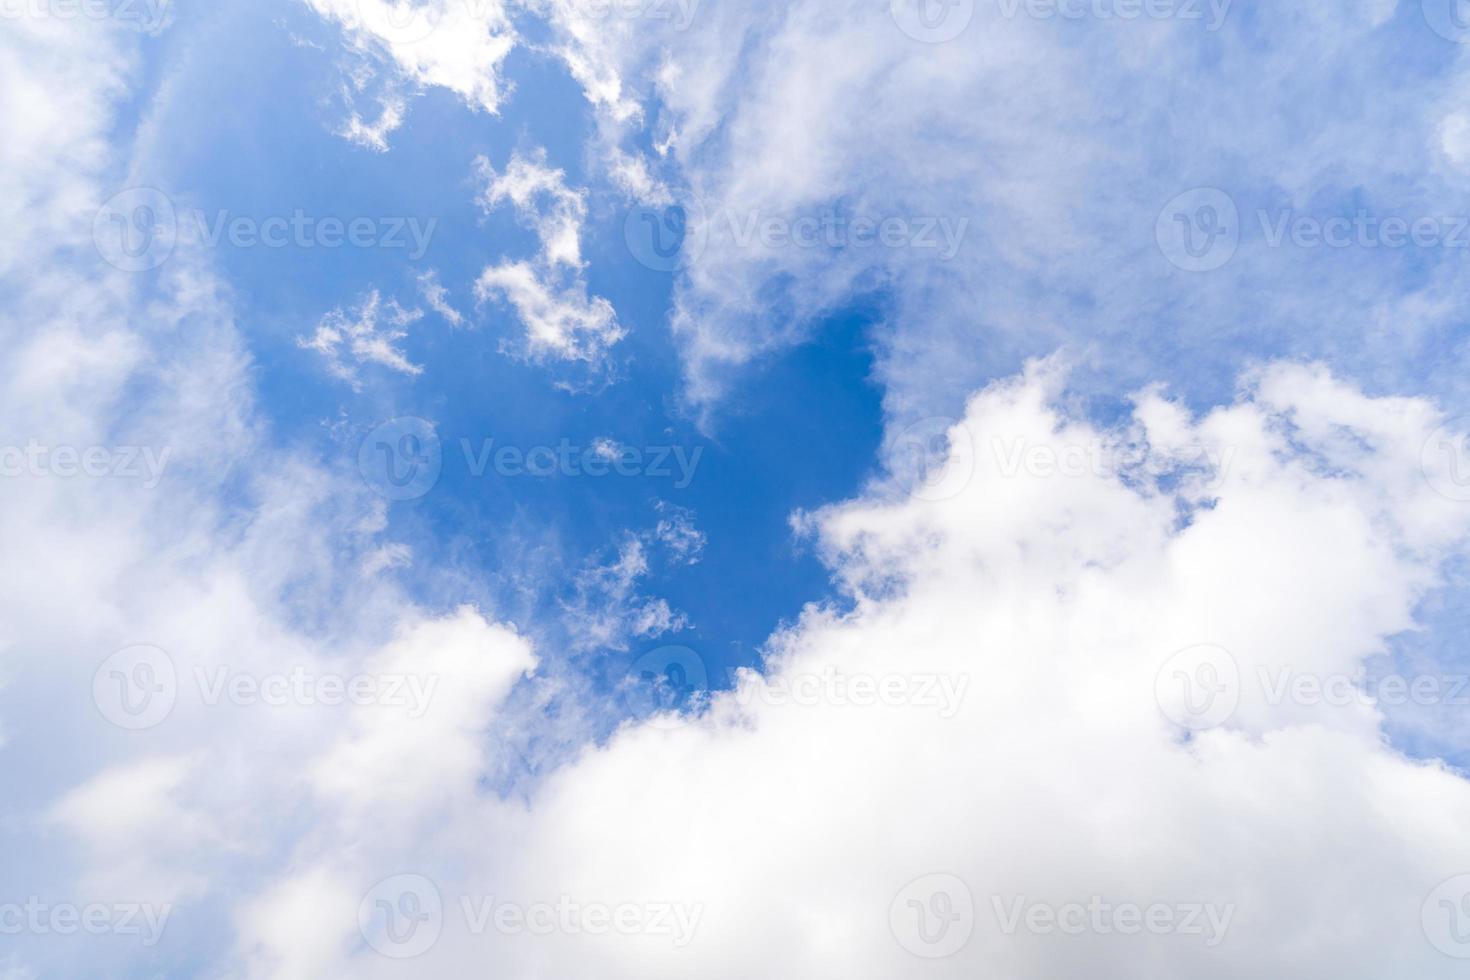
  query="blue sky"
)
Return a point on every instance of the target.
[{"x": 1040, "y": 473}]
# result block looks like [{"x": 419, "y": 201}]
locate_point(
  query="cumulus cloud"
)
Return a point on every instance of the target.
[
  {"x": 998, "y": 708},
  {"x": 459, "y": 45},
  {"x": 1005, "y": 696},
  {"x": 549, "y": 295}
]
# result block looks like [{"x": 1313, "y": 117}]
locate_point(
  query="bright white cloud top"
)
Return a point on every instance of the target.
[{"x": 1106, "y": 696}]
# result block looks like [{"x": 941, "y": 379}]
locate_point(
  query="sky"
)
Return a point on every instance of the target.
[{"x": 787, "y": 488}]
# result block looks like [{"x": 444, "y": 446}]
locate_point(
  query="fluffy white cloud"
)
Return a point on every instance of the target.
[
  {"x": 347, "y": 341},
  {"x": 549, "y": 295},
  {"x": 456, "y": 44},
  {"x": 999, "y": 706}
]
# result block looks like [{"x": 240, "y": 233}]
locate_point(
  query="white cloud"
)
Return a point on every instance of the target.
[
  {"x": 1049, "y": 602},
  {"x": 459, "y": 45},
  {"x": 437, "y": 297},
  {"x": 549, "y": 295},
  {"x": 347, "y": 341}
]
